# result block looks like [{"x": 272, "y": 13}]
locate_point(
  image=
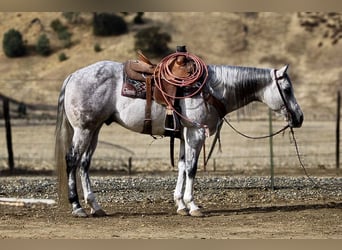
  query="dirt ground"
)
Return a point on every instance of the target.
[
  {"x": 248, "y": 213},
  {"x": 297, "y": 221}
]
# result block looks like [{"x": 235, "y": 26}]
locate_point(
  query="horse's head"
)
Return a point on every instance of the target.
[{"x": 279, "y": 97}]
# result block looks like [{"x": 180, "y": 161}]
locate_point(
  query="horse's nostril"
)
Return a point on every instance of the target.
[{"x": 299, "y": 121}]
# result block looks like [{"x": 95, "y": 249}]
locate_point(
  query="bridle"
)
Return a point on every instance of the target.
[
  {"x": 254, "y": 137},
  {"x": 286, "y": 105},
  {"x": 315, "y": 184}
]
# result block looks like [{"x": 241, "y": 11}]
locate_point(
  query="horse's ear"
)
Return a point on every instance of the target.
[{"x": 283, "y": 70}]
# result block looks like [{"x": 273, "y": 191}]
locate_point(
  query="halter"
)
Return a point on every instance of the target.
[
  {"x": 254, "y": 137},
  {"x": 281, "y": 92}
]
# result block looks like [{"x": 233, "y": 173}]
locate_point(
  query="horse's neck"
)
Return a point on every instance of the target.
[{"x": 237, "y": 86}]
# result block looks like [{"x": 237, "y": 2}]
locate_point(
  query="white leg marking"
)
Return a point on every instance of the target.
[{"x": 193, "y": 145}]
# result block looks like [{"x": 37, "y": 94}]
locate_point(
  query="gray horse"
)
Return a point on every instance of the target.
[{"x": 91, "y": 97}]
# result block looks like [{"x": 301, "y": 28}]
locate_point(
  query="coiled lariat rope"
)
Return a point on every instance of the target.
[{"x": 164, "y": 74}]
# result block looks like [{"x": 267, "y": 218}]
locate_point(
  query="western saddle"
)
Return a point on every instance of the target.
[{"x": 172, "y": 79}]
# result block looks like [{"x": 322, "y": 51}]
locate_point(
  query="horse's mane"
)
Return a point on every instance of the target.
[
  {"x": 238, "y": 75},
  {"x": 240, "y": 82}
]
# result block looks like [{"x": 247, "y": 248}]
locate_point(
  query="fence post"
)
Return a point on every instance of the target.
[
  {"x": 129, "y": 166},
  {"x": 338, "y": 118},
  {"x": 271, "y": 147},
  {"x": 8, "y": 134}
]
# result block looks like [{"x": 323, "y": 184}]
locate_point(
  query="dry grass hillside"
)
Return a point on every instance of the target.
[{"x": 309, "y": 43}]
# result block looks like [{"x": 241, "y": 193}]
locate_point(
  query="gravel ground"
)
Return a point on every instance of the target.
[{"x": 160, "y": 188}]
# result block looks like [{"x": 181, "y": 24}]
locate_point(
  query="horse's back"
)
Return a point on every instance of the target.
[{"x": 89, "y": 93}]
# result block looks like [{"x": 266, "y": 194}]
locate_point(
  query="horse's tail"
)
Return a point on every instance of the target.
[{"x": 63, "y": 133}]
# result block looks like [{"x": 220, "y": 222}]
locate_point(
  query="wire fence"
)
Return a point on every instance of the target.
[{"x": 120, "y": 150}]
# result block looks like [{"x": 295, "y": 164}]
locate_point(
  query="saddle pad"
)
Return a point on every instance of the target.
[{"x": 134, "y": 89}]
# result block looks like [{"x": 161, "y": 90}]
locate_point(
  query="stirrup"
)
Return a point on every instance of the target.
[{"x": 171, "y": 121}]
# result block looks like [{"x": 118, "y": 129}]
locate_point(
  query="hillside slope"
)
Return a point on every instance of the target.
[{"x": 250, "y": 39}]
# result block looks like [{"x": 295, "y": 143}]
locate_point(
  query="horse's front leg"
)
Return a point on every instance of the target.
[
  {"x": 179, "y": 190},
  {"x": 194, "y": 139}
]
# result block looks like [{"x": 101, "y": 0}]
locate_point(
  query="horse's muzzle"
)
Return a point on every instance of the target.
[{"x": 296, "y": 120}]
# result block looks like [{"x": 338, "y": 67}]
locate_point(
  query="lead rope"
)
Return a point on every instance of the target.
[
  {"x": 314, "y": 183},
  {"x": 255, "y": 137}
]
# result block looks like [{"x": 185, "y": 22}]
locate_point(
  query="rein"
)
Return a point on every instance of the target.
[
  {"x": 247, "y": 136},
  {"x": 256, "y": 137},
  {"x": 314, "y": 183}
]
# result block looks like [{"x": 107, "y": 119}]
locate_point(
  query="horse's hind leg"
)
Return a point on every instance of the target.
[
  {"x": 80, "y": 143},
  {"x": 89, "y": 196},
  {"x": 72, "y": 160}
]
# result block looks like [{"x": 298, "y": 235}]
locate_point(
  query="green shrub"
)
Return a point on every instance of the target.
[
  {"x": 13, "y": 44},
  {"x": 57, "y": 26},
  {"x": 62, "y": 32},
  {"x": 152, "y": 42},
  {"x": 72, "y": 17},
  {"x": 65, "y": 37},
  {"x": 43, "y": 45},
  {"x": 106, "y": 24},
  {"x": 62, "y": 57},
  {"x": 97, "y": 48}
]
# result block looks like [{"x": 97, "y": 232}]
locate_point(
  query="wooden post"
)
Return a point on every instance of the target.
[
  {"x": 8, "y": 134},
  {"x": 271, "y": 147},
  {"x": 129, "y": 165},
  {"x": 338, "y": 118}
]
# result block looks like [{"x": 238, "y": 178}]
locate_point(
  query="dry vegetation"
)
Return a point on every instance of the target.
[{"x": 309, "y": 42}]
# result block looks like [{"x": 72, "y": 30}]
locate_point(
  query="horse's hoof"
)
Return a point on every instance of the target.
[
  {"x": 183, "y": 212},
  {"x": 99, "y": 213},
  {"x": 196, "y": 213},
  {"x": 79, "y": 212}
]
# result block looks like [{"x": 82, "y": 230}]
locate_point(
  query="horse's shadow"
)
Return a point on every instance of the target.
[
  {"x": 269, "y": 209},
  {"x": 245, "y": 210}
]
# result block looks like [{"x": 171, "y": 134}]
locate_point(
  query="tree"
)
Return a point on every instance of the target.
[
  {"x": 106, "y": 24},
  {"x": 43, "y": 45},
  {"x": 13, "y": 44},
  {"x": 152, "y": 42}
]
